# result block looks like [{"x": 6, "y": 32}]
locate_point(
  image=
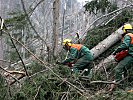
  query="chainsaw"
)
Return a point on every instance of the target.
[{"x": 119, "y": 56}]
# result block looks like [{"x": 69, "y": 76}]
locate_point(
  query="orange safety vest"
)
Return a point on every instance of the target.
[
  {"x": 131, "y": 35},
  {"x": 77, "y": 46}
]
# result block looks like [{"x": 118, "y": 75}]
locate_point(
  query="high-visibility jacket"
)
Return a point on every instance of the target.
[
  {"x": 127, "y": 44},
  {"x": 77, "y": 51}
]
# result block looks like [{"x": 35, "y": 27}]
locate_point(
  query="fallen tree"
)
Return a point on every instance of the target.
[{"x": 107, "y": 43}]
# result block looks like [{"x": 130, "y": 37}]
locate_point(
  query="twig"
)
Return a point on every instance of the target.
[
  {"x": 9, "y": 74},
  {"x": 83, "y": 72},
  {"x": 37, "y": 92},
  {"x": 81, "y": 85},
  {"x": 104, "y": 82},
  {"x": 63, "y": 81},
  {"x": 63, "y": 96},
  {"x": 130, "y": 91},
  {"x": 107, "y": 76},
  {"x": 68, "y": 92},
  {"x": 16, "y": 72}
]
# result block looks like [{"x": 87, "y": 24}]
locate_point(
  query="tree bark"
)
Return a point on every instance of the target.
[
  {"x": 55, "y": 26},
  {"x": 1, "y": 40},
  {"x": 1, "y": 50},
  {"x": 107, "y": 43}
]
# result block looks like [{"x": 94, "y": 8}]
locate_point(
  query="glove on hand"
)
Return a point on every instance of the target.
[{"x": 58, "y": 62}]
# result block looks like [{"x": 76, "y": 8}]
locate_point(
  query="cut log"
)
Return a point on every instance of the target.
[{"x": 107, "y": 43}]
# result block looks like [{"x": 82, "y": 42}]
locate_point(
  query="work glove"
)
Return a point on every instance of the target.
[{"x": 58, "y": 62}]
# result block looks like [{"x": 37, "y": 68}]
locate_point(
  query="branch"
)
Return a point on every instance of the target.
[
  {"x": 130, "y": 91},
  {"x": 20, "y": 77},
  {"x": 107, "y": 76},
  {"x": 16, "y": 72}
]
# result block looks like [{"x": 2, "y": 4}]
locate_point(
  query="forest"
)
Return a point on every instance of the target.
[{"x": 33, "y": 53}]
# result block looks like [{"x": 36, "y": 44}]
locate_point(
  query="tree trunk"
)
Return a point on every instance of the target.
[
  {"x": 106, "y": 43},
  {"x": 1, "y": 50},
  {"x": 1, "y": 40},
  {"x": 55, "y": 26}
]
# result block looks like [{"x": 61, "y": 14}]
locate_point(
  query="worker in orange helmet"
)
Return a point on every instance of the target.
[
  {"x": 79, "y": 54},
  {"x": 127, "y": 61}
]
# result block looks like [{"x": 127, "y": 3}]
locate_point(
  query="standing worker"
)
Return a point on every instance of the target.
[
  {"x": 125, "y": 63},
  {"x": 79, "y": 55}
]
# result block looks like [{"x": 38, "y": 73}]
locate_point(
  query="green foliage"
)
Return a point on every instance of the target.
[
  {"x": 122, "y": 95},
  {"x": 35, "y": 67},
  {"x": 49, "y": 88},
  {"x": 18, "y": 21},
  {"x": 14, "y": 56},
  {"x": 102, "y": 6},
  {"x": 19, "y": 96},
  {"x": 3, "y": 89}
]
